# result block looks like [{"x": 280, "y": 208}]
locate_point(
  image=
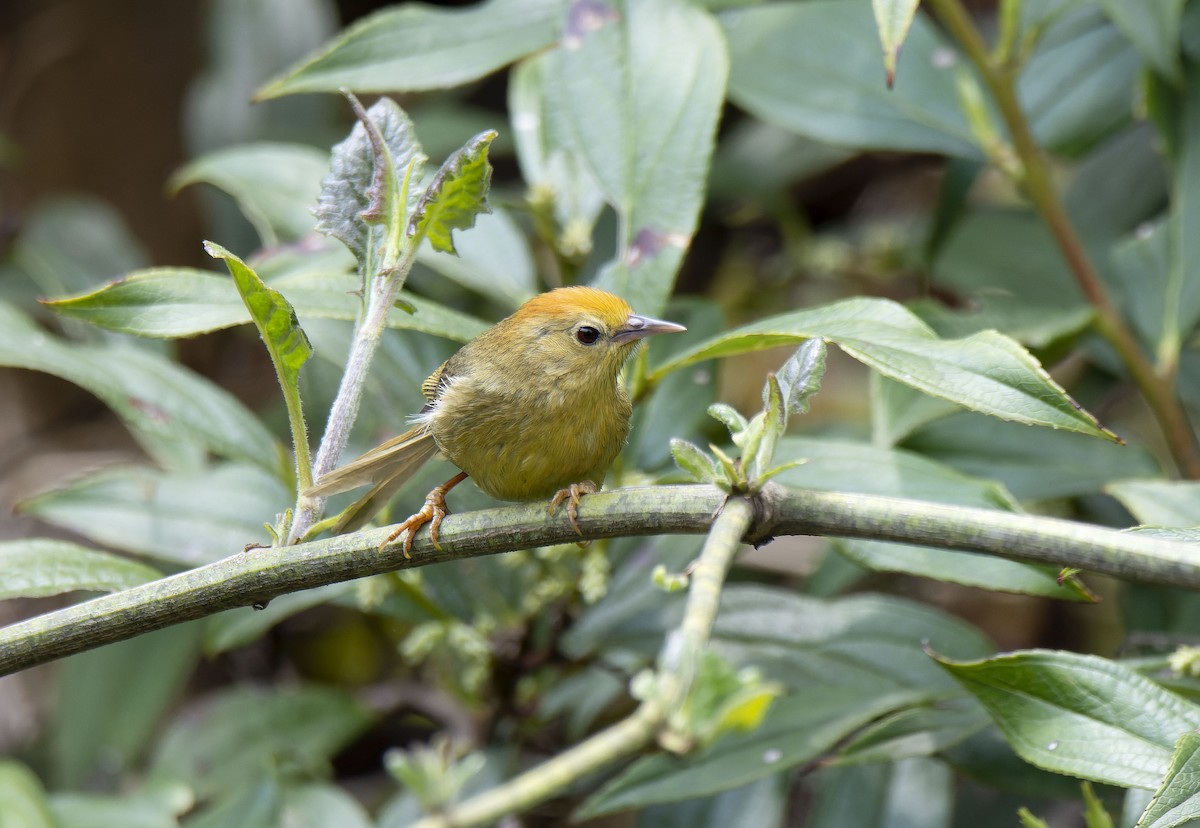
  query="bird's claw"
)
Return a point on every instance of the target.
[
  {"x": 433, "y": 512},
  {"x": 572, "y": 495}
]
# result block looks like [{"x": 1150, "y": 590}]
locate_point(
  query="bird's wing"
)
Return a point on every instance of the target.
[{"x": 398, "y": 457}]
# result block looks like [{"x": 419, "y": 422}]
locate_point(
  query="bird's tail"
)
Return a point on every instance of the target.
[{"x": 388, "y": 466}]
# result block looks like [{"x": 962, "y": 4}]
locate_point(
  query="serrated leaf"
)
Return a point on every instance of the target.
[
  {"x": 893, "y": 19},
  {"x": 357, "y": 172},
  {"x": 175, "y": 414},
  {"x": 1177, "y": 800},
  {"x": 274, "y": 185},
  {"x": 183, "y": 302},
  {"x": 1054, "y": 708},
  {"x": 636, "y": 90},
  {"x": 188, "y": 519},
  {"x": 692, "y": 460},
  {"x": 274, "y": 317},
  {"x": 415, "y": 47},
  {"x": 35, "y": 567},
  {"x": 457, "y": 194},
  {"x": 987, "y": 372},
  {"x": 834, "y": 47},
  {"x": 800, "y": 377}
]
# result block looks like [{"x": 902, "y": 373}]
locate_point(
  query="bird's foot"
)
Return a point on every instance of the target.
[
  {"x": 433, "y": 512},
  {"x": 572, "y": 495}
]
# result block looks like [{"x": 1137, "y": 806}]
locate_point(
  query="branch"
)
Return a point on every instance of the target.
[
  {"x": 256, "y": 576},
  {"x": 1157, "y": 387},
  {"x": 677, "y": 666}
]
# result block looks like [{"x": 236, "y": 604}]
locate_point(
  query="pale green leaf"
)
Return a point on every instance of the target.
[
  {"x": 1177, "y": 800},
  {"x": 274, "y": 185},
  {"x": 457, "y": 194},
  {"x": 34, "y": 567},
  {"x": 814, "y": 68},
  {"x": 1153, "y": 28},
  {"x": 493, "y": 260},
  {"x": 893, "y": 18},
  {"x": 23, "y": 797},
  {"x": 175, "y": 414},
  {"x": 362, "y": 174},
  {"x": 1169, "y": 503},
  {"x": 155, "y": 807},
  {"x": 639, "y": 89},
  {"x": 188, "y": 519},
  {"x": 414, "y": 47},
  {"x": 1054, "y": 708},
  {"x": 182, "y": 302},
  {"x": 986, "y": 372}
]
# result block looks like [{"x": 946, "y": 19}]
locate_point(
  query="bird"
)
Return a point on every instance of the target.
[{"x": 530, "y": 409}]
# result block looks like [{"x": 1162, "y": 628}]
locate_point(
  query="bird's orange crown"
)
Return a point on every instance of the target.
[{"x": 572, "y": 301}]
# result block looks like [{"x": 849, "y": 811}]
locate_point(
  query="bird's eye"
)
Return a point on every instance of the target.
[{"x": 587, "y": 335}]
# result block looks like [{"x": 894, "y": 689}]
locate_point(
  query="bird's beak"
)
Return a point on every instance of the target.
[{"x": 637, "y": 327}]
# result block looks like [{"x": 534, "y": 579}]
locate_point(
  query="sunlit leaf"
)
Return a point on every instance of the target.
[{"x": 457, "y": 194}]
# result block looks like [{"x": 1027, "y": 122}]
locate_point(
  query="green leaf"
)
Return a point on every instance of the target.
[
  {"x": 182, "y": 302},
  {"x": 1182, "y": 296},
  {"x": 274, "y": 317},
  {"x": 457, "y": 194},
  {"x": 158, "y": 807},
  {"x": 361, "y": 173},
  {"x": 1007, "y": 264},
  {"x": 1076, "y": 87},
  {"x": 35, "y": 567},
  {"x": 759, "y": 803},
  {"x": 639, "y": 89},
  {"x": 1171, "y": 503},
  {"x": 243, "y": 732},
  {"x": 1177, "y": 800},
  {"x": 893, "y": 19},
  {"x": 1054, "y": 708},
  {"x": 76, "y": 243},
  {"x": 322, "y": 806},
  {"x": 800, "y": 377},
  {"x": 987, "y": 372},
  {"x": 797, "y": 730},
  {"x": 274, "y": 185},
  {"x": 187, "y": 519},
  {"x": 882, "y": 796},
  {"x": 1153, "y": 28},
  {"x": 1032, "y": 464},
  {"x": 109, "y": 705},
  {"x": 1142, "y": 274},
  {"x": 862, "y": 643},
  {"x": 24, "y": 799},
  {"x": 493, "y": 260},
  {"x": 415, "y": 47},
  {"x": 897, "y": 410},
  {"x": 692, "y": 460},
  {"x": 834, "y": 465},
  {"x": 286, "y": 342},
  {"x": 175, "y": 414},
  {"x": 814, "y": 68},
  {"x": 915, "y": 731}
]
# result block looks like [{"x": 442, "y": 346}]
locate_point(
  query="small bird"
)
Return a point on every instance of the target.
[{"x": 531, "y": 408}]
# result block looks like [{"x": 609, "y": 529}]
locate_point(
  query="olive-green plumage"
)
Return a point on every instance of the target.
[{"x": 528, "y": 408}]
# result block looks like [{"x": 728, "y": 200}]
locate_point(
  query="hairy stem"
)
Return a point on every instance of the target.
[
  {"x": 1157, "y": 388},
  {"x": 256, "y": 576}
]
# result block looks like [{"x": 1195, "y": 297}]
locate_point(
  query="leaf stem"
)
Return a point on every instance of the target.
[
  {"x": 1157, "y": 388},
  {"x": 259, "y": 575}
]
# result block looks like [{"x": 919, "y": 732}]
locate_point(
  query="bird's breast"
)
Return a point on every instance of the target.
[{"x": 520, "y": 443}]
